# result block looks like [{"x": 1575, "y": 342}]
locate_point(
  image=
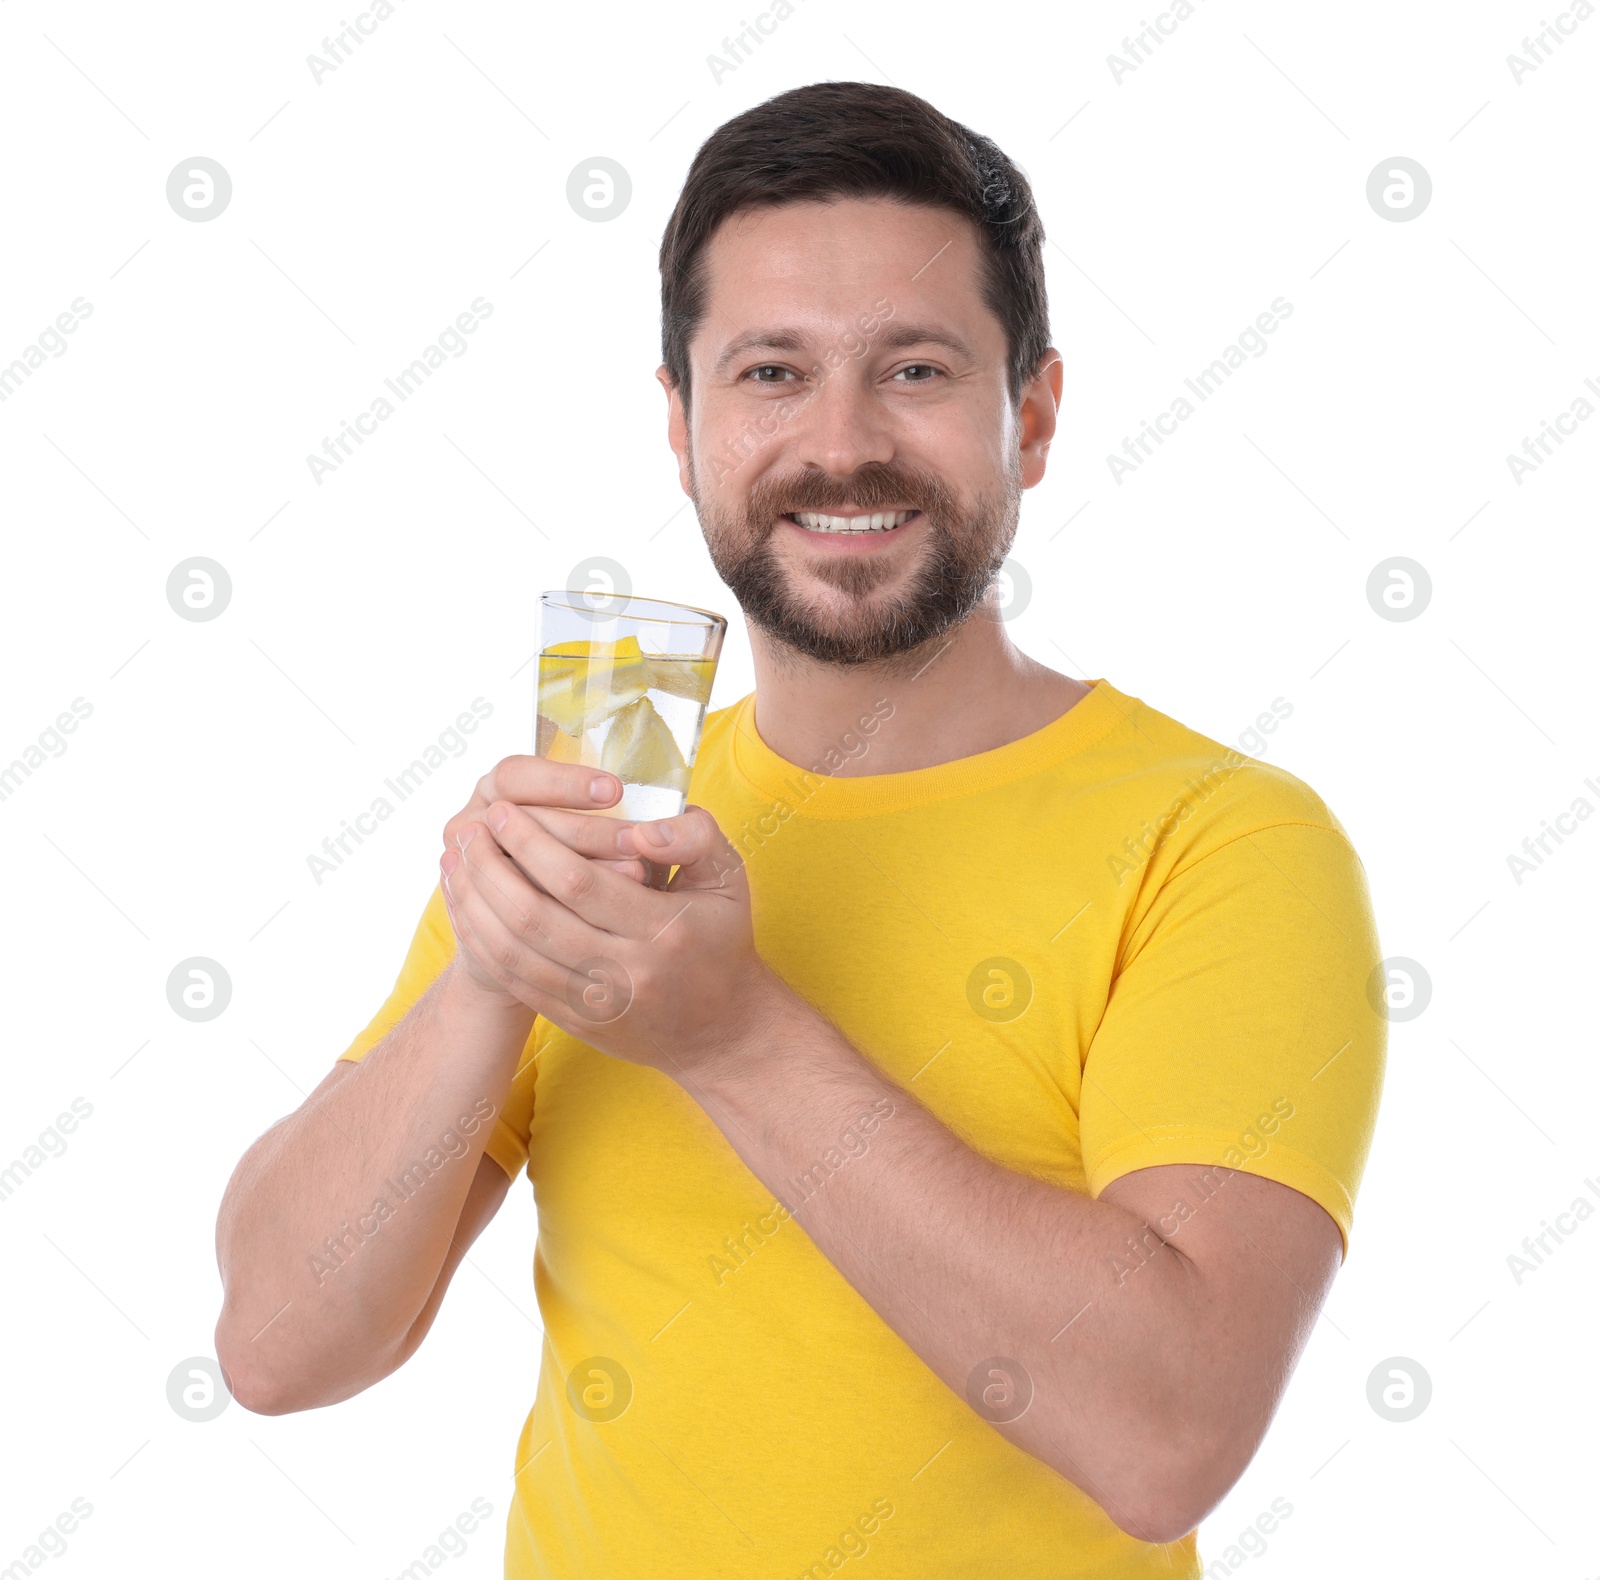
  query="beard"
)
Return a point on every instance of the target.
[{"x": 964, "y": 546}]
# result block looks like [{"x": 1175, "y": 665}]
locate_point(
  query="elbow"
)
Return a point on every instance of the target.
[
  {"x": 249, "y": 1383},
  {"x": 255, "y": 1391},
  {"x": 263, "y": 1399},
  {"x": 1164, "y": 1492},
  {"x": 262, "y": 1391},
  {"x": 1159, "y": 1521},
  {"x": 1163, "y": 1509},
  {"x": 283, "y": 1382},
  {"x": 250, "y": 1377}
]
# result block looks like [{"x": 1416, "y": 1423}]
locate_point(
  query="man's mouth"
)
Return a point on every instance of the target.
[{"x": 874, "y": 521}]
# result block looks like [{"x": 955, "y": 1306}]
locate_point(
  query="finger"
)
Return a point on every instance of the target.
[
  {"x": 540, "y": 781},
  {"x": 589, "y": 889},
  {"x": 537, "y": 781},
  {"x": 588, "y": 833},
  {"x": 481, "y": 934},
  {"x": 596, "y": 990},
  {"x": 539, "y": 922},
  {"x": 702, "y": 852}
]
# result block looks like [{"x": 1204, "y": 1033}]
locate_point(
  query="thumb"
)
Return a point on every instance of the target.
[{"x": 702, "y": 852}]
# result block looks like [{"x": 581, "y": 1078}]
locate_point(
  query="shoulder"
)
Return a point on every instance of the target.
[{"x": 1196, "y": 795}]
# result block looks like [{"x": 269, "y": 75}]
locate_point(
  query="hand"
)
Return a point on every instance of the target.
[
  {"x": 668, "y": 978},
  {"x": 544, "y": 788}
]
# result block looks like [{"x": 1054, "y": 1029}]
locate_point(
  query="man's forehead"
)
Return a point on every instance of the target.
[{"x": 798, "y": 268}]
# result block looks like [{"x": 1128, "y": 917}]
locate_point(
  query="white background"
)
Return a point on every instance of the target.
[{"x": 369, "y": 610}]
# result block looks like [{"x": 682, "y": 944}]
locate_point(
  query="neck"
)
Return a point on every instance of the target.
[{"x": 967, "y": 691}]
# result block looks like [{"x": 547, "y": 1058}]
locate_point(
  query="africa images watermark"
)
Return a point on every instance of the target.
[
  {"x": 338, "y": 1249},
  {"x": 1251, "y": 1542},
  {"x": 1143, "y": 1248},
  {"x": 1137, "y": 849},
  {"x": 1538, "y": 1248},
  {"x": 1141, "y": 46},
  {"x": 1536, "y": 847},
  {"x": 1254, "y": 1142},
  {"x": 1538, "y": 48},
  {"x": 851, "y": 747},
  {"x": 342, "y": 45},
  {"x": 1138, "y": 449},
  {"x": 51, "y": 742},
  {"x": 337, "y": 450},
  {"x": 51, "y": 1542},
  {"x": 451, "y": 1542},
  {"x": 52, "y": 1143},
  {"x": 853, "y": 1143},
  {"x": 1552, "y": 433},
  {"x": 51, "y": 339},
  {"x": 740, "y": 46},
  {"x": 854, "y": 343},
  {"x": 853, "y": 1542},
  {"x": 404, "y": 784}
]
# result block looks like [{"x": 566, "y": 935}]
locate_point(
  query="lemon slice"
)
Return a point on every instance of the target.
[
  {"x": 639, "y": 749},
  {"x": 581, "y": 684},
  {"x": 556, "y": 745},
  {"x": 681, "y": 677}
]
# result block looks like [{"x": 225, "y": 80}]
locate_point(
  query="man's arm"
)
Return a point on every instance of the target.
[
  {"x": 1156, "y": 1338},
  {"x": 343, "y": 1224},
  {"x": 323, "y": 1294}
]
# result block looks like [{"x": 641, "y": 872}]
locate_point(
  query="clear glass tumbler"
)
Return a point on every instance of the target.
[{"x": 623, "y": 685}]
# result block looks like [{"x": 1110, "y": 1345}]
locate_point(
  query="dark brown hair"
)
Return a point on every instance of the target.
[{"x": 857, "y": 139}]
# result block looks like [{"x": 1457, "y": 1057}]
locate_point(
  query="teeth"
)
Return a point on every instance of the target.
[{"x": 882, "y": 521}]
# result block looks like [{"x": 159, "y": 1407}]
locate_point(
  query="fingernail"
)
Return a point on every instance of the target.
[
  {"x": 602, "y": 788},
  {"x": 661, "y": 833},
  {"x": 449, "y": 861},
  {"x": 625, "y": 842},
  {"x": 497, "y": 818},
  {"x": 467, "y": 835}
]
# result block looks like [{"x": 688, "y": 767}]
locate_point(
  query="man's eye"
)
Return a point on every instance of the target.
[
  {"x": 768, "y": 373},
  {"x": 918, "y": 373}
]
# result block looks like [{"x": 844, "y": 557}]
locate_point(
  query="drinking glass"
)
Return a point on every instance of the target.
[{"x": 623, "y": 686}]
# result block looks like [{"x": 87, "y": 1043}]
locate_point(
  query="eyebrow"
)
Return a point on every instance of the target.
[{"x": 896, "y": 337}]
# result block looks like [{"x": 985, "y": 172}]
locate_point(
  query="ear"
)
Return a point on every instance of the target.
[
  {"x": 677, "y": 426},
  {"x": 1037, "y": 417}
]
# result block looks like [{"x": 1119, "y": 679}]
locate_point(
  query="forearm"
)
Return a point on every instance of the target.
[
  {"x": 1152, "y": 1370},
  {"x": 321, "y": 1283},
  {"x": 969, "y": 1261}
]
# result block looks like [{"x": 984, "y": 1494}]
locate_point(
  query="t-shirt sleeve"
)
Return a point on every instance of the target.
[
  {"x": 1239, "y": 1030},
  {"x": 433, "y": 946}
]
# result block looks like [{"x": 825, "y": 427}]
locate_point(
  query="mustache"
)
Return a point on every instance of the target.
[{"x": 871, "y": 487}]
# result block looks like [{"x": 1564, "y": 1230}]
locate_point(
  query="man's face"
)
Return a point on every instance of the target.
[{"x": 851, "y": 446}]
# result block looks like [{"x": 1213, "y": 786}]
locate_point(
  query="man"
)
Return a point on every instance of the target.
[{"x": 949, "y": 1163}]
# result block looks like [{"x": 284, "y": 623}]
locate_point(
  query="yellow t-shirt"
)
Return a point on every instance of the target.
[{"x": 1108, "y": 945}]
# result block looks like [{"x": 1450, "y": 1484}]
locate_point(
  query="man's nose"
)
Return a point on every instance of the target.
[{"x": 842, "y": 424}]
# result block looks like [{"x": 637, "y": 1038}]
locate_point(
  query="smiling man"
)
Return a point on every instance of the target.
[{"x": 947, "y": 1167}]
